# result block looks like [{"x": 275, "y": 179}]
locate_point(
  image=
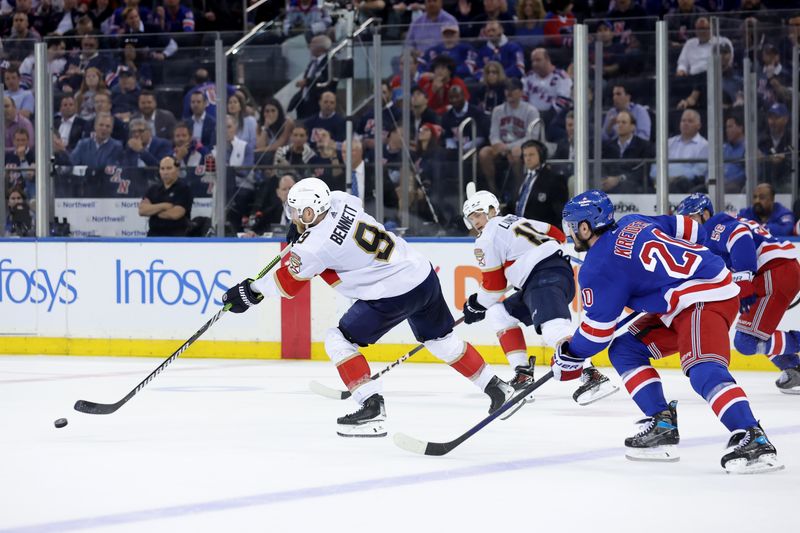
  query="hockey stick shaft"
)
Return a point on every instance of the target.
[
  {"x": 93, "y": 408},
  {"x": 337, "y": 394}
]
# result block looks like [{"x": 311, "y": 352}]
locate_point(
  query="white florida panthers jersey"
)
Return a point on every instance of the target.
[{"x": 353, "y": 253}]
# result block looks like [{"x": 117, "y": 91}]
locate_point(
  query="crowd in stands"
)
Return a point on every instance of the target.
[{"x": 506, "y": 64}]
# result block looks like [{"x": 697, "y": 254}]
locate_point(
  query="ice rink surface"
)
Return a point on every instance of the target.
[{"x": 226, "y": 445}]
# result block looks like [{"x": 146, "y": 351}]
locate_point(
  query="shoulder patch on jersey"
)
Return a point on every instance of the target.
[
  {"x": 295, "y": 264},
  {"x": 480, "y": 256}
]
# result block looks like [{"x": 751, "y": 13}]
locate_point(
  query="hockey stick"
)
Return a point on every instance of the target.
[
  {"x": 423, "y": 447},
  {"x": 336, "y": 394},
  {"x": 93, "y": 408}
]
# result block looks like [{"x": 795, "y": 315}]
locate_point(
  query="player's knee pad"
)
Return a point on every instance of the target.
[
  {"x": 627, "y": 352},
  {"x": 447, "y": 348},
  {"x": 745, "y": 343},
  {"x": 499, "y": 319},
  {"x": 337, "y": 347},
  {"x": 555, "y": 330}
]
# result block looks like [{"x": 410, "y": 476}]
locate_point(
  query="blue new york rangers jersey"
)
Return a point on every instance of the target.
[
  {"x": 744, "y": 245},
  {"x": 767, "y": 247},
  {"x": 650, "y": 264}
]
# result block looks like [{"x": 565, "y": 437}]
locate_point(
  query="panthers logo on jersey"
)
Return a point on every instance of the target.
[
  {"x": 480, "y": 256},
  {"x": 295, "y": 264}
]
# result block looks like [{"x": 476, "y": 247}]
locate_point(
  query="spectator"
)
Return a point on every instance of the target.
[
  {"x": 426, "y": 31},
  {"x": 492, "y": 90},
  {"x": 776, "y": 146},
  {"x": 559, "y": 23},
  {"x": 733, "y": 153},
  {"x": 366, "y": 126},
  {"x": 189, "y": 153},
  {"x": 306, "y": 16},
  {"x": 66, "y": 19},
  {"x": 274, "y": 130},
  {"x": 697, "y": 50},
  {"x": 766, "y": 211},
  {"x": 543, "y": 192},
  {"x": 19, "y": 43},
  {"x": 23, "y": 99},
  {"x": 495, "y": 11},
  {"x": 21, "y": 164},
  {"x": 415, "y": 72},
  {"x": 461, "y": 53},
  {"x": 683, "y": 16},
  {"x": 169, "y": 204},
  {"x": 84, "y": 25},
  {"x": 529, "y": 30},
  {"x": 306, "y": 101},
  {"x": 547, "y": 88},
  {"x": 246, "y": 126},
  {"x": 158, "y": 147},
  {"x": 137, "y": 161},
  {"x": 732, "y": 82},
  {"x": 172, "y": 17},
  {"x": 19, "y": 218},
  {"x": 57, "y": 63},
  {"x": 509, "y": 130},
  {"x": 102, "y": 104},
  {"x": 200, "y": 82},
  {"x": 270, "y": 207},
  {"x": 327, "y": 119},
  {"x": 92, "y": 84},
  {"x": 465, "y": 11},
  {"x": 618, "y": 59},
  {"x": 427, "y": 158},
  {"x": 204, "y": 126},
  {"x": 689, "y": 144},
  {"x": 627, "y": 16},
  {"x": 125, "y": 95},
  {"x": 70, "y": 127},
  {"x": 459, "y": 110},
  {"x": 565, "y": 151},
  {"x": 118, "y": 17},
  {"x": 420, "y": 112},
  {"x": 630, "y": 177},
  {"x": 297, "y": 152},
  {"x": 100, "y": 150},
  {"x": 437, "y": 85},
  {"x": 622, "y": 101},
  {"x": 135, "y": 61},
  {"x": 160, "y": 121},
  {"x": 146, "y": 37},
  {"x": 328, "y": 166},
  {"x": 240, "y": 182},
  {"x": 13, "y": 122},
  {"x": 498, "y": 48},
  {"x": 101, "y": 14},
  {"x": 90, "y": 57},
  {"x": 774, "y": 81}
]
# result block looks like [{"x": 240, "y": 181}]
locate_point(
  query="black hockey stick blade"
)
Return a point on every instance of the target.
[{"x": 442, "y": 448}]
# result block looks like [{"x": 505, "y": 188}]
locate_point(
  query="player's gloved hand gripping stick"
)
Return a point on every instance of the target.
[{"x": 93, "y": 408}]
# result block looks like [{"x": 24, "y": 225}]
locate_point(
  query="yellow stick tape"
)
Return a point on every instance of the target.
[{"x": 272, "y": 350}]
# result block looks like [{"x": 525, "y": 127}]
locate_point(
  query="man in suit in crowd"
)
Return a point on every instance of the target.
[
  {"x": 543, "y": 192},
  {"x": 306, "y": 101},
  {"x": 204, "y": 126},
  {"x": 161, "y": 121},
  {"x": 70, "y": 127},
  {"x": 626, "y": 177}
]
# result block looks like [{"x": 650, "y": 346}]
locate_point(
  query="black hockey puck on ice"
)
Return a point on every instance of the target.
[{"x": 60, "y": 423}]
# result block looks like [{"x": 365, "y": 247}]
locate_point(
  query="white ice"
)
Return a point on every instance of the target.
[{"x": 227, "y": 445}]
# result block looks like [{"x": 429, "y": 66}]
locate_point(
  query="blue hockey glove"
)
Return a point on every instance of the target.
[
  {"x": 241, "y": 297},
  {"x": 564, "y": 366},
  {"x": 747, "y": 295},
  {"x": 473, "y": 311}
]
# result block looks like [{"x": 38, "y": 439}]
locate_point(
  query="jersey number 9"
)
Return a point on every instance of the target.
[{"x": 374, "y": 241}]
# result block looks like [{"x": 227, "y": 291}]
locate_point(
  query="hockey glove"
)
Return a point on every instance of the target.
[
  {"x": 747, "y": 295},
  {"x": 241, "y": 297},
  {"x": 564, "y": 366},
  {"x": 473, "y": 311},
  {"x": 292, "y": 234}
]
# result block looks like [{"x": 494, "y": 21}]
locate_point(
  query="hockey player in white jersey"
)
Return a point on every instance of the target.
[
  {"x": 527, "y": 255},
  {"x": 390, "y": 282}
]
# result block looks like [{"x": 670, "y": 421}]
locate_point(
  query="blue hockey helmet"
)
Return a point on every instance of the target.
[
  {"x": 594, "y": 207},
  {"x": 695, "y": 204}
]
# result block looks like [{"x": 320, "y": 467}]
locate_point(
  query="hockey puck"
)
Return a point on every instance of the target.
[{"x": 60, "y": 423}]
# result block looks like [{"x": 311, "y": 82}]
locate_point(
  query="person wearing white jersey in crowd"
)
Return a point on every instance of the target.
[
  {"x": 525, "y": 254},
  {"x": 546, "y": 87},
  {"x": 390, "y": 282}
]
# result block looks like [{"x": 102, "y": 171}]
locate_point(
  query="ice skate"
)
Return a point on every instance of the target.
[
  {"x": 524, "y": 377},
  {"x": 594, "y": 386},
  {"x": 789, "y": 381},
  {"x": 500, "y": 392},
  {"x": 369, "y": 421},
  {"x": 657, "y": 439},
  {"x": 750, "y": 453}
]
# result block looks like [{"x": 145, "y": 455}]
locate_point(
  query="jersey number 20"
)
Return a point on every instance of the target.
[
  {"x": 657, "y": 251},
  {"x": 374, "y": 241}
]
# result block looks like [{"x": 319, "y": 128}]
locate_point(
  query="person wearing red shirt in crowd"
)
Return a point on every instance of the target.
[{"x": 437, "y": 85}]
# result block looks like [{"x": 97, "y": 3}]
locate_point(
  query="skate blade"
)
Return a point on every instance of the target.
[
  {"x": 593, "y": 395},
  {"x": 794, "y": 391},
  {"x": 765, "y": 463},
  {"x": 508, "y": 414},
  {"x": 367, "y": 430},
  {"x": 659, "y": 454}
]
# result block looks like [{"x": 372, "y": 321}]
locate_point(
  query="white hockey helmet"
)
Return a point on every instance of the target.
[
  {"x": 480, "y": 201},
  {"x": 310, "y": 193}
]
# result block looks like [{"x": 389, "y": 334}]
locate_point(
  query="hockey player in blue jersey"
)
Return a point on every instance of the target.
[
  {"x": 653, "y": 265},
  {"x": 758, "y": 260}
]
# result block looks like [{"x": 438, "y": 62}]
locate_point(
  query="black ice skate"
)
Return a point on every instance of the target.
[
  {"x": 594, "y": 386},
  {"x": 369, "y": 421},
  {"x": 750, "y": 453},
  {"x": 789, "y": 381},
  {"x": 657, "y": 439},
  {"x": 500, "y": 392},
  {"x": 524, "y": 377}
]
